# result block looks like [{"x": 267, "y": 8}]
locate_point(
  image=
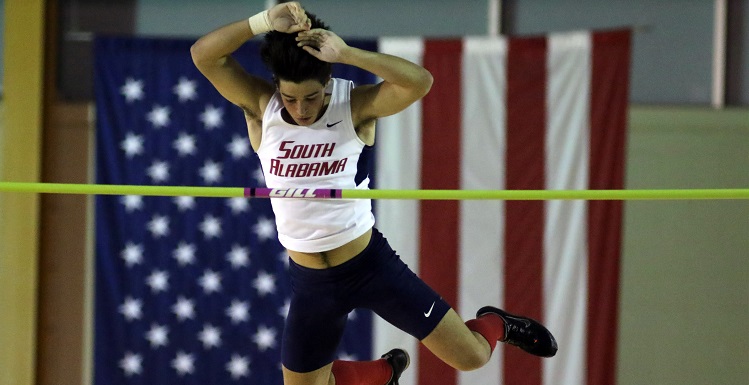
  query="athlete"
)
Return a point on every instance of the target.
[{"x": 311, "y": 130}]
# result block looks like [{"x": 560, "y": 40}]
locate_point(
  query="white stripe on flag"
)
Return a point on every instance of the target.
[
  {"x": 565, "y": 251},
  {"x": 483, "y": 143},
  {"x": 399, "y": 158}
]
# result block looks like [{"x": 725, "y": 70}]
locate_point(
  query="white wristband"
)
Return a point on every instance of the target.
[{"x": 260, "y": 23}]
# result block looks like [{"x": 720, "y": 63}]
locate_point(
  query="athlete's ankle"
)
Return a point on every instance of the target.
[{"x": 490, "y": 326}]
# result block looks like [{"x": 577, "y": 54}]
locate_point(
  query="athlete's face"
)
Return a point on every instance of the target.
[{"x": 304, "y": 101}]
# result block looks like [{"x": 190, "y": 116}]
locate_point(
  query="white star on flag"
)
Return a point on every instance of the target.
[
  {"x": 157, "y": 335},
  {"x": 184, "y": 309},
  {"x": 185, "y": 144},
  {"x": 132, "y": 89},
  {"x": 264, "y": 283},
  {"x": 238, "y": 205},
  {"x": 158, "y": 171},
  {"x": 238, "y": 311},
  {"x": 184, "y": 254},
  {"x": 284, "y": 258},
  {"x": 259, "y": 176},
  {"x": 185, "y": 89},
  {"x": 265, "y": 229},
  {"x": 184, "y": 203},
  {"x": 159, "y": 116},
  {"x": 210, "y": 281},
  {"x": 211, "y": 227},
  {"x": 183, "y": 363},
  {"x": 347, "y": 357},
  {"x": 158, "y": 281},
  {"x": 211, "y": 117},
  {"x": 239, "y": 147},
  {"x": 132, "y": 254},
  {"x": 210, "y": 336},
  {"x": 131, "y": 308},
  {"x": 131, "y": 364},
  {"x": 132, "y": 145},
  {"x": 132, "y": 202},
  {"x": 211, "y": 172},
  {"x": 284, "y": 310},
  {"x": 238, "y": 366},
  {"x": 158, "y": 226},
  {"x": 238, "y": 256},
  {"x": 265, "y": 338}
]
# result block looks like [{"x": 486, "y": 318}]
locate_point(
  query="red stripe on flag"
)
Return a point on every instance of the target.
[
  {"x": 608, "y": 120},
  {"x": 524, "y": 229},
  {"x": 440, "y": 169}
]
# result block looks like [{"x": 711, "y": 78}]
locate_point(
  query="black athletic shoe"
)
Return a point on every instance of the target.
[
  {"x": 399, "y": 361},
  {"x": 525, "y": 333}
]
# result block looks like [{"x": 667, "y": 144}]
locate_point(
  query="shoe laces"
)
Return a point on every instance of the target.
[{"x": 518, "y": 335}]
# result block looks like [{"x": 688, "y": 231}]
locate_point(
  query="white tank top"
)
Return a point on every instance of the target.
[{"x": 326, "y": 154}]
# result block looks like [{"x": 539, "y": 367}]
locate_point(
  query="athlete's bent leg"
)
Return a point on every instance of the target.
[
  {"x": 468, "y": 346},
  {"x": 458, "y": 346}
]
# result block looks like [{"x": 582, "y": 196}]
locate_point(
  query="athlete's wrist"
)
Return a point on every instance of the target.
[{"x": 260, "y": 23}]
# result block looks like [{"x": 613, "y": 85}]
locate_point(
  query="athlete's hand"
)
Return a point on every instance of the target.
[
  {"x": 289, "y": 18},
  {"x": 322, "y": 44}
]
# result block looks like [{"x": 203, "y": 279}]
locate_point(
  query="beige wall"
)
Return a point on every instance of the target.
[{"x": 685, "y": 269}]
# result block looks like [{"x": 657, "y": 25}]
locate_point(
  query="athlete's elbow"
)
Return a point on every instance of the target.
[
  {"x": 200, "y": 53},
  {"x": 197, "y": 53},
  {"x": 424, "y": 82}
]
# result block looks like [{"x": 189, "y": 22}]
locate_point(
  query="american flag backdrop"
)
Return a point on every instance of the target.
[
  {"x": 188, "y": 290},
  {"x": 194, "y": 290}
]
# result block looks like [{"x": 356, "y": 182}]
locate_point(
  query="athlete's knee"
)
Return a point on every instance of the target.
[
  {"x": 473, "y": 359},
  {"x": 470, "y": 356}
]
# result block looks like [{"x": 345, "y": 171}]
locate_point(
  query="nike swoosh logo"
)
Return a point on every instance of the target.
[
  {"x": 331, "y": 125},
  {"x": 427, "y": 314}
]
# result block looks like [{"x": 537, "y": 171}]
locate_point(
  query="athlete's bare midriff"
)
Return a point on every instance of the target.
[{"x": 334, "y": 257}]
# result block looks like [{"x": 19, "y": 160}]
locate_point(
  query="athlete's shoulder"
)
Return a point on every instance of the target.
[{"x": 274, "y": 104}]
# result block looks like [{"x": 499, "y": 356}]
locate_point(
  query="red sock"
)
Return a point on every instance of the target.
[
  {"x": 376, "y": 372},
  {"x": 490, "y": 326}
]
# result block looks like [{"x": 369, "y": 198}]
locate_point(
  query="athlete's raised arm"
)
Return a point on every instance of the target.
[
  {"x": 212, "y": 55},
  {"x": 403, "y": 81}
]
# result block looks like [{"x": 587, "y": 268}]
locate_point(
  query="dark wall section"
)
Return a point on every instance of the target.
[{"x": 79, "y": 21}]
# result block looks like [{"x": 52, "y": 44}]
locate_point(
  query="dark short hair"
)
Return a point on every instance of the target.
[{"x": 288, "y": 62}]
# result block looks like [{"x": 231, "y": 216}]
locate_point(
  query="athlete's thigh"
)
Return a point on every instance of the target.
[
  {"x": 403, "y": 299},
  {"x": 316, "y": 377}
]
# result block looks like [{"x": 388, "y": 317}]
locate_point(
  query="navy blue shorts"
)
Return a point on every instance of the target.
[{"x": 376, "y": 279}]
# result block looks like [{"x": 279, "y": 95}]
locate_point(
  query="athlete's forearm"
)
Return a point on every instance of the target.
[
  {"x": 390, "y": 68},
  {"x": 213, "y": 47}
]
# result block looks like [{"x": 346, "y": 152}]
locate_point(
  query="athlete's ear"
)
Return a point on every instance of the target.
[{"x": 327, "y": 87}]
